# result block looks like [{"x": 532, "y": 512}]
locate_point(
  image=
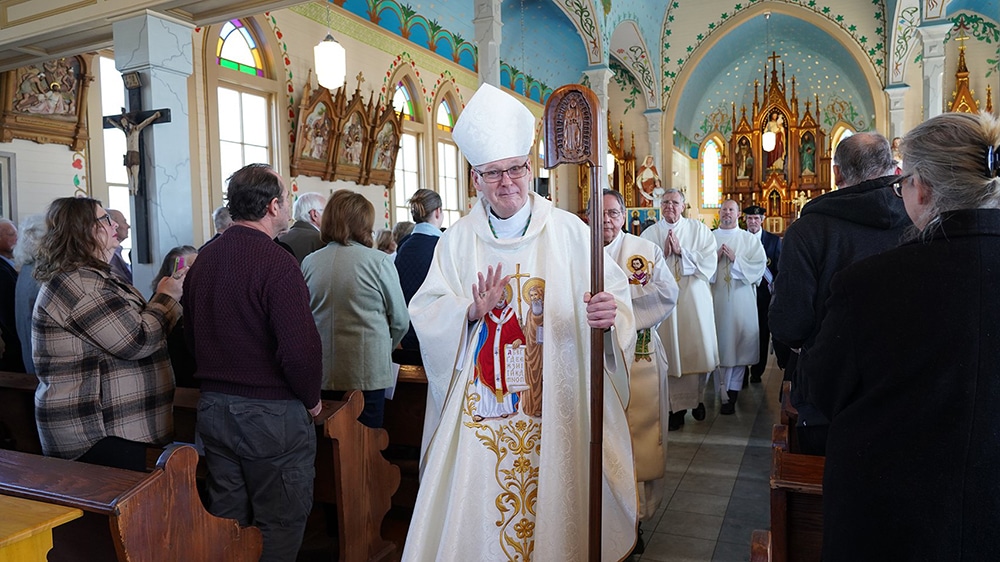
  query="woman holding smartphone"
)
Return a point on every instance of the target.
[
  {"x": 105, "y": 388},
  {"x": 178, "y": 259}
]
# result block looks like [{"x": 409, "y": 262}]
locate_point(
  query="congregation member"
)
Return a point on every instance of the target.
[
  {"x": 181, "y": 358},
  {"x": 30, "y": 234},
  {"x": 105, "y": 388},
  {"x": 384, "y": 242},
  {"x": 506, "y": 319},
  {"x": 119, "y": 266},
  {"x": 754, "y": 216},
  {"x": 741, "y": 264},
  {"x": 861, "y": 219},
  {"x": 413, "y": 259},
  {"x": 221, "y": 220},
  {"x": 247, "y": 318},
  {"x": 906, "y": 372},
  {"x": 689, "y": 333},
  {"x": 303, "y": 237},
  {"x": 11, "y": 358},
  {"x": 357, "y": 304},
  {"x": 401, "y": 231},
  {"x": 654, "y": 295}
]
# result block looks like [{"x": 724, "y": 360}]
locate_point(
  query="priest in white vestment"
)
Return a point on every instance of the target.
[
  {"x": 654, "y": 296},
  {"x": 734, "y": 290},
  {"x": 504, "y": 471},
  {"x": 689, "y": 333}
]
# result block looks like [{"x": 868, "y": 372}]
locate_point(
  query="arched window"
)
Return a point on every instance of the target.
[
  {"x": 402, "y": 103},
  {"x": 408, "y": 160},
  {"x": 246, "y": 95},
  {"x": 445, "y": 119},
  {"x": 238, "y": 50},
  {"x": 711, "y": 175},
  {"x": 448, "y": 168},
  {"x": 840, "y": 132}
]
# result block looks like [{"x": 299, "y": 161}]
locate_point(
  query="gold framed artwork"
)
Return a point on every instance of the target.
[{"x": 45, "y": 102}]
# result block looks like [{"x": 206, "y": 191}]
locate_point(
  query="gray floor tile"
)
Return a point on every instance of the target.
[
  {"x": 662, "y": 547},
  {"x": 731, "y": 552},
  {"x": 687, "y": 524},
  {"x": 695, "y": 502},
  {"x": 707, "y": 484}
]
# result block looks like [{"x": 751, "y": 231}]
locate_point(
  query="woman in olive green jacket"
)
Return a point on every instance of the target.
[{"x": 357, "y": 304}]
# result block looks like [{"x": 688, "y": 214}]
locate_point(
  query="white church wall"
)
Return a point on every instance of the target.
[{"x": 44, "y": 172}]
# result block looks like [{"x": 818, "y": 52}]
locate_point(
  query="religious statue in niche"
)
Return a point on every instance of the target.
[
  {"x": 744, "y": 159},
  {"x": 649, "y": 180},
  {"x": 316, "y": 134},
  {"x": 50, "y": 90},
  {"x": 776, "y": 125},
  {"x": 132, "y": 158},
  {"x": 807, "y": 155},
  {"x": 573, "y": 141},
  {"x": 385, "y": 148},
  {"x": 352, "y": 141}
]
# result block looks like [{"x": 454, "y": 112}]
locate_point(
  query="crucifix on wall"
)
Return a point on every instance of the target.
[{"x": 132, "y": 124}]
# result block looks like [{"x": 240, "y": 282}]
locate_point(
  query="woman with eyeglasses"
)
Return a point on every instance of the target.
[
  {"x": 906, "y": 364},
  {"x": 105, "y": 388}
]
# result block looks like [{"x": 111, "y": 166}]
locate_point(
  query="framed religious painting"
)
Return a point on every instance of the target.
[
  {"x": 46, "y": 102},
  {"x": 381, "y": 157},
  {"x": 314, "y": 135}
]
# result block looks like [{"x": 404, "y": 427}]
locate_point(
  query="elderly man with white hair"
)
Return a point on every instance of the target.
[
  {"x": 505, "y": 320},
  {"x": 303, "y": 237}
]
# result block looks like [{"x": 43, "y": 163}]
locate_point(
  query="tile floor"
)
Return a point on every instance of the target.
[{"x": 717, "y": 484}]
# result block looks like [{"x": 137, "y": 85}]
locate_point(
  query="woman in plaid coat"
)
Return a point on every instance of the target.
[{"x": 105, "y": 385}]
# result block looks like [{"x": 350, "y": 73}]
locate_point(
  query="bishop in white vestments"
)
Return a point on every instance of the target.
[
  {"x": 504, "y": 466},
  {"x": 734, "y": 290},
  {"x": 689, "y": 333},
  {"x": 654, "y": 296}
]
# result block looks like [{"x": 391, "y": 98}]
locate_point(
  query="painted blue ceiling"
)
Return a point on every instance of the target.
[
  {"x": 548, "y": 48},
  {"x": 988, "y": 8},
  {"x": 725, "y": 75}
]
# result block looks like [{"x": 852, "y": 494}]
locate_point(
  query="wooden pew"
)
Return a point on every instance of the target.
[
  {"x": 796, "y": 506},
  {"x": 17, "y": 414},
  {"x": 151, "y": 516},
  {"x": 350, "y": 471},
  {"x": 404, "y": 421},
  {"x": 789, "y": 416}
]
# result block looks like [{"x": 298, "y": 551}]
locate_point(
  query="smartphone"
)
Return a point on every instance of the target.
[{"x": 178, "y": 263}]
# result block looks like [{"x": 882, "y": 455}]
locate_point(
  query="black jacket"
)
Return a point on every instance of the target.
[
  {"x": 906, "y": 366},
  {"x": 834, "y": 231}
]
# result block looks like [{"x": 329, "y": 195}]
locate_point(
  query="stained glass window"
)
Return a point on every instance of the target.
[
  {"x": 401, "y": 102},
  {"x": 445, "y": 120},
  {"x": 238, "y": 50}
]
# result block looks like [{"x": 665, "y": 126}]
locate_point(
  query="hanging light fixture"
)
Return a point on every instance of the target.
[
  {"x": 768, "y": 139},
  {"x": 330, "y": 59}
]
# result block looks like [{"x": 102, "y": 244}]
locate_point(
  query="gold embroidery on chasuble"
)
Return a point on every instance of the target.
[
  {"x": 640, "y": 270},
  {"x": 504, "y": 407},
  {"x": 643, "y": 347}
]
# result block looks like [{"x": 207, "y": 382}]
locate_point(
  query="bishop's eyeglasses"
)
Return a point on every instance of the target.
[{"x": 494, "y": 176}]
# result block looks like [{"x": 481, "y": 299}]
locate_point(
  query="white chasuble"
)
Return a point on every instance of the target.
[
  {"x": 654, "y": 296},
  {"x": 734, "y": 290},
  {"x": 504, "y": 471},
  {"x": 689, "y": 333}
]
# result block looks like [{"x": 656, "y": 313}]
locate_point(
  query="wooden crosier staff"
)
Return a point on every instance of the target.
[{"x": 572, "y": 123}]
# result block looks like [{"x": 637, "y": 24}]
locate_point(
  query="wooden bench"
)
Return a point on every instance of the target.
[
  {"x": 789, "y": 416},
  {"x": 17, "y": 416},
  {"x": 350, "y": 471},
  {"x": 796, "y": 533},
  {"x": 151, "y": 516}
]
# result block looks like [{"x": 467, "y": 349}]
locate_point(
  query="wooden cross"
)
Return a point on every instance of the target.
[{"x": 132, "y": 124}]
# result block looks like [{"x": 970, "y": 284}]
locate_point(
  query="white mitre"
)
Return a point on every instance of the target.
[{"x": 494, "y": 125}]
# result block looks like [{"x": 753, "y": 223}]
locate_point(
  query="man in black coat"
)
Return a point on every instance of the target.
[
  {"x": 11, "y": 360},
  {"x": 861, "y": 219},
  {"x": 754, "y": 216}
]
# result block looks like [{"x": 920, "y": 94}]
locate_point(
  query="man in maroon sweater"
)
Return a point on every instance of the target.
[{"x": 248, "y": 321}]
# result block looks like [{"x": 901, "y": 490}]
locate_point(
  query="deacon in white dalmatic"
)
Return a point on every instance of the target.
[
  {"x": 734, "y": 289},
  {"x": 654, "y": 296},
  {"x": 504, "y": 320}
]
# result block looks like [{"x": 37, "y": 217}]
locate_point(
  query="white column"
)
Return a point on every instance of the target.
[
  {"x": 488, "y": 38},
  {"x": 599, "y": 79},
  {"x": 933, "y": 38},
  {"x": 653, "y": 118},
  {"x": 159, "y": 49},
  {"x": 896, "y": 108}
]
